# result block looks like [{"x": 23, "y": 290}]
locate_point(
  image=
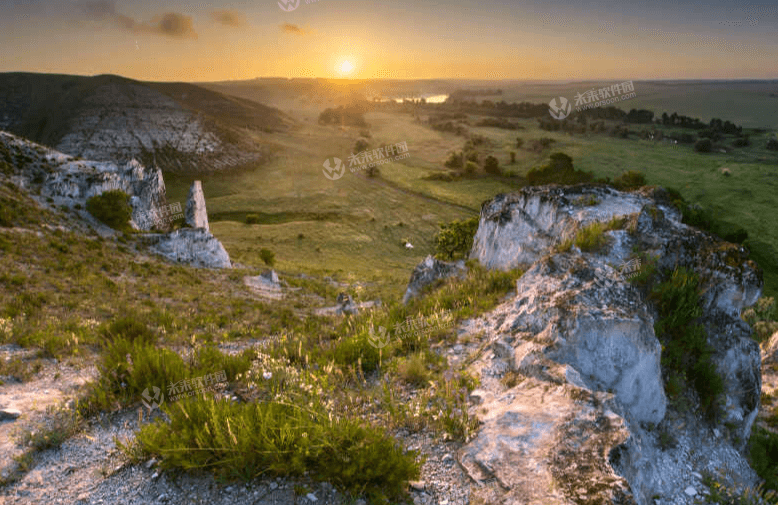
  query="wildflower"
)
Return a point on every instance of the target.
[{"x": 267, "y": 375}]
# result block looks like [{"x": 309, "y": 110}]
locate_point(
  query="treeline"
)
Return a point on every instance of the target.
[
  {"x": 352, "y": 115},
  {"x": 474, "y": 92}
]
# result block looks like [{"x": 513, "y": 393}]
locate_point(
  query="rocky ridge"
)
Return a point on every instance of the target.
[
  {"x": 64, "y": 181},
  {"x": 572, "y": 397}
]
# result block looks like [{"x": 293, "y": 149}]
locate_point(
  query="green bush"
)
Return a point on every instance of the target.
[
  {"x": 491, "y": 165},
  {"x": 592, "y": 237},
  {"x": 455, "y": 239},
  {"x": 455, "y": 160},
  {"x": 629, "y": 180},
  {"x": 763, "y": 455},
  {"x": 559, "y": 170},
  {"x": 471, "y": 168},
  {"x": 703, "y": 146},
  {"x": 252, "y": 219},
  {"x": 111, "y": 208},
  {"x": 245, "y": 441},
  {"x": 699, "y": 217},
  {"x": 686, "y": 355},
  {"x": 267, "y": 256},
  {"x": 360, "y": 145},
  {"x": 130, "y": 364},
  {"x": 129, "y": 328}
]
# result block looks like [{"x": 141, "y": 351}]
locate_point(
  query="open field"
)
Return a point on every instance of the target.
[{"x": 354, "y": 227}]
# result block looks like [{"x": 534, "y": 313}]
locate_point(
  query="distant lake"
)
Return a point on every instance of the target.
[{"x": 429, "y": 98}]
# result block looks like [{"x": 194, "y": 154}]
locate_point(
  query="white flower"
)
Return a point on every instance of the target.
[{"x": 267, "y": 375}]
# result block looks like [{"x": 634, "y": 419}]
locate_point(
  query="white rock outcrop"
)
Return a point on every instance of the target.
[
  {"x": 571, "y": 394},
  {"x": 196, "y": 214},
  {"x": 71, "y": 182},
  {"x": 193, "y": 246}
]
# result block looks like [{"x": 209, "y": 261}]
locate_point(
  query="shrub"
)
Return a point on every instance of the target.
[
  {"x": 592, "y": 237},
  {"x": 513, "y": 157},
  {"x": 772, "y": 144},
  {"x": 373, "y": 172},
  {"x": 559, "y": 170},
  {"x": 236, "y": 440},
  {"x": 519, "y": 142},
  {"x": 128, "y": 368},
  {"x": 455, "y": 239},
  {"x": 743, "y": 141},
  {"x": 686, "y": 355},
  {"x": 111, "y": 208},
  {"x": 413, "y": 370},
  {"x": 703, "y": 146},
  {"x": 763, "y": 455},
  {"x": 491, "y": 165},
  {"x": 629, "y": 180},
  {"x": 360, "y": 145},
  {"x": 471, "y": 168},
  {"x": 252, "y": 219},
  {"x": 454, "y": 160},
  {"x": 129, "y": 328},
  {"x": 267, "y": 256}
]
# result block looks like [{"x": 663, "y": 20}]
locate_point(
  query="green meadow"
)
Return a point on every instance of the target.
[{"x": 355, "y": 228}]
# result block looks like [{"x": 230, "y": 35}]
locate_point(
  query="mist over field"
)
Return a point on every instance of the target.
[{"x": 322, "y": 251}]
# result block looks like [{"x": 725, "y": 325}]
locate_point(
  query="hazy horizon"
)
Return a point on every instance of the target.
[{"x": 492, "y": 40}]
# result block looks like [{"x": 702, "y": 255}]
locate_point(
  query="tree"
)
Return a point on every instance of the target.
[
  {"x": 111, "y": 208},
  {"x": 703, "y": 146},
  {"x": 491, "y": 165},
  {"x": 361, "y": 145},
  {"x": 267, "y": 256},
  {"x": 455, "y": 239}
]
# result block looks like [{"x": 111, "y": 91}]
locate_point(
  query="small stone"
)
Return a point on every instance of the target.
[
  {"x": 448, "y": 458},
  {"x": 150, "y": 463},
  {"x": 418, "y": 485},
  {"x": 311, "y": 497},
  {"x": 690, "y": 491},
  {"x": 154, "y": 477},
  {"x": 228, "y": 489},
  {"x": 162, "y": 497},
  {"x": 9, "y": 414},
  {"x": 697, "y": 475},
  {"x": 273, "y": 486},
  {"x": 360, "y": 502},
  {"x": 716, "y": 432}
]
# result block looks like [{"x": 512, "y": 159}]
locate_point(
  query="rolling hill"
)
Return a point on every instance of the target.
[{"x": 176, "y": 126}]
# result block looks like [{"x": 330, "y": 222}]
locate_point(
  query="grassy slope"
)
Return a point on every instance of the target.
[{"x": 352, "y": 245}]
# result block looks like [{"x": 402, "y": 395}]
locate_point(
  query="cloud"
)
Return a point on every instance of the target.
[
  {"x": 175, "y": 25},
  {"x": 229, "y": 18},
  {"x": 290, "y": 28},
  {"x": 171, "y": 24}
]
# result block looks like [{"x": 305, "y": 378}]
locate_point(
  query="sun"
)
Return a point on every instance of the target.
[{"x": 346, "y": 67}]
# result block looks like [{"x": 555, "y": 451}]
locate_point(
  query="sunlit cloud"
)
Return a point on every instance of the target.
[
  {"x": 171, "y": 24},
  {"x": 229, "y": 18},
  {"x": 290, "y": 28}
]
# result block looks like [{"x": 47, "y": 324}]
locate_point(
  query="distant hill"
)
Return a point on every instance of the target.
[{"x": 175, "y": 126}]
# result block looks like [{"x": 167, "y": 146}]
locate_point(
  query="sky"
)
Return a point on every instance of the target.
[{"x": 196, "y": 41}]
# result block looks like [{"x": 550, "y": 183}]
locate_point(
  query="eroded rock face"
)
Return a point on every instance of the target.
[
  {"x": 72, "y": 182},
  {"x": 429, "y": 271},
  {"x": 578, "y": 348},
  {"x": 595, "y": 324},
  {"x": 196, "y": 215},
  {"x": 194, "y": 246}
]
